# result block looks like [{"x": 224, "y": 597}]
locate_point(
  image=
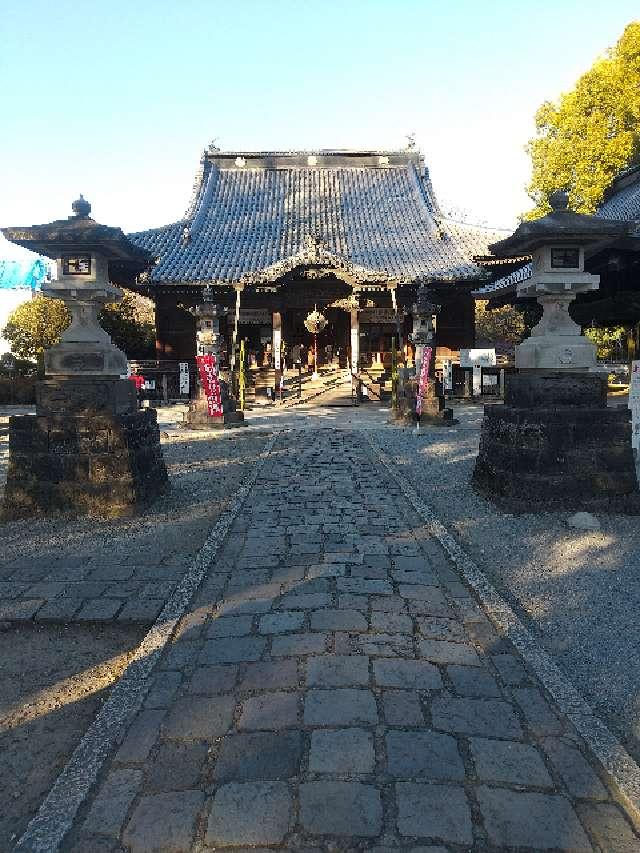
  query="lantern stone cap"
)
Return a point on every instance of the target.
[
  {"x": 560, "y": 226},
  {"x": 80, "y": 233}
]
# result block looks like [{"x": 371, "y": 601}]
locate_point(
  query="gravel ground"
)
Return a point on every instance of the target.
[
  {"x": 52, "y": 683},
  {"x": 578, "y": 591}
]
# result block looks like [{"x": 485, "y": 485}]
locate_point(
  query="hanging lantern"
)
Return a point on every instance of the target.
[{"x": 315, "y": 323}]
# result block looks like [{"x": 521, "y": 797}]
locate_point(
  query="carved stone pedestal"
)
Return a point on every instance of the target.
[
  {"x": 198, "y": 417},
  {"x": 87, "y": 451},
  {"x": 434, "y": 412},
  {"x": 554, "y": 445}
]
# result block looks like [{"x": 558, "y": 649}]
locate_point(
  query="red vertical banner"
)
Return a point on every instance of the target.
[
  {"x": 424, "y": 379},
  {"x": 208, "y": 371}
]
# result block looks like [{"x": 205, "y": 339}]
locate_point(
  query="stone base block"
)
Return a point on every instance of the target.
[
  {"x": 102, "y": 465},
  {"x": 198, "y": 416},
  {"x": 85, "y": 396},
  {"x": 550, "y": 456}
]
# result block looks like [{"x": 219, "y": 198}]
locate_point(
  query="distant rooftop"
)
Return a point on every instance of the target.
[{"x": 255, "y": 215}]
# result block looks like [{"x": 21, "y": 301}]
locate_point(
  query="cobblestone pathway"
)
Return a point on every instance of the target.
[{"x": 336, "y": 688}]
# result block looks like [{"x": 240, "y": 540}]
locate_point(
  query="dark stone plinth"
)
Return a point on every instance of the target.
[
  {"x": 555, "y": 445},
  {"x": 85, "y": 396},
  {"x": 102, "y": 464}
]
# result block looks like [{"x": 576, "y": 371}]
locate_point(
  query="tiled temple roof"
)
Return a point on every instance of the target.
[
  {"x": 254, "y": 217},
  {"x": 621, "y": 202}
]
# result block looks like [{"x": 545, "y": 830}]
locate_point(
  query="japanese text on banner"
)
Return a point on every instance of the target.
[
  {"x": 208, "y": 370},
  {"x": 424, "y": 379}
]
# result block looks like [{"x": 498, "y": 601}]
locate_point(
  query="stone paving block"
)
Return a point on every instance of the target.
[
  {"x": 141, "y": 736},
  {"x": 117, "y": 572},
  {"x": 540, "y": 717},
  {"x": 510, "y": 669},
  {"x": 199, "y": 718},
  {"x": 360, "y": 586},
  {"x": 164, "y": 822},
  {"x": 270, "y": 711},
  {"x": 438, "y": 628},
  {"x": 281, "y": 622},
  {"x": 209, "y": 680},
  {"x": 388, "y": 604},
  {"x": 422, "y": 576},
  {"x": 59, "y": 610},
  {"x": 509, "y": 762},
  {"x": 391, "y": 622},
  {"x": 46, "y": 589},
  {"x": 232, "y": 650},
  {"x": 346, "y": 752},
  {"x": 423, "y": 756},
  {"x": 164, "y": 688},
  {"x": 385, "y": 645},
  {"x": 21, "y": 610},
  {"x": 485, "y": 636},
  {"x": 144, "y": 610},
  {"x": 262, "y": 756},
  {"x": 472, "y": 681},
  {"x": 488, "y": 717},
  {"x": 236, "y": 605},
  {"x": 340, "y": 707},
  {"x": 290, "y": 576},
  {"x": 408, "y": 674},
  {"x": 178, "y": 766},
  {"x": 249, "y": 813},
  {"x": 249, "y": 580},
  {"x": 326, "y": 570},
  {"x": 443, "y": 651},
  {"x": 338, "y": 620},
  {"x": 402, "y": 708},
  {"x": 348, "y": 601},
  {"x": 179, "y": 655},
  {"x": 11, "y": 589},
  {"x": 304, "y": 601},
  {"x": 297, "y": 645},
  {"x": 370, "y": 572},
  {"x": 577, "y": 774},
  {"x": 337, "y": 671},
  {"x": 270, "y": 675},
  {"x": 229, "y": 626},
  {"x": 98, "y": 610},
  {"x": 340, "y": 808},
  {"x": 609, "y": 827},
  {"x": 523, "y": 819},
  {"x": 434, "y": 811},
  {"x": 86, "y": 589},
  {"x": 109, "y": 809}
]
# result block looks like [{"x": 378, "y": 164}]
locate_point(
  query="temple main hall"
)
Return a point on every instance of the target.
[{"x": 277, "y": 234}]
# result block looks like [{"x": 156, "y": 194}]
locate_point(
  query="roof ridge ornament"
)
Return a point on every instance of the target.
[
  {"x": 81, "y": 207},
  {"x": 559, "y": 200}
]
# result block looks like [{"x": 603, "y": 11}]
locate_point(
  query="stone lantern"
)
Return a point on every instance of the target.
[
  {"x": 208, "y": 343},
  {"x": 433, "y": 409},
  {"x": 87, "y": 450},
  {"x": 555, "y": 443}
]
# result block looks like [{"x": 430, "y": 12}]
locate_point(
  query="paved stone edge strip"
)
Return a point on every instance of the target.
[
  {"x": 47, "y": 829},
  {"x": 622, "y": 771}
]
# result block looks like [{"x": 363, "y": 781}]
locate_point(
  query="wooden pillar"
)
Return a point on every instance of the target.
[
  {"x": 276, "y": 342},
  {"x": 355, "y": 340}
]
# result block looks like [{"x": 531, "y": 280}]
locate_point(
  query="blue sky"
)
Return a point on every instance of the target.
[{"x": 117, "y": 99}]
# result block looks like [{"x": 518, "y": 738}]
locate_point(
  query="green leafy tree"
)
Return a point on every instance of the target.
[
  {"x": 131, "y": 325},
  {"x": 609, "y": 340},
  {"x": 36, "y": 325},
  {"x": 591, "y": 133},
  {"x": 504, "y": 325}
]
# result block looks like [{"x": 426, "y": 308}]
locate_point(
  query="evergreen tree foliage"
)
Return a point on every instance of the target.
[
  {"x": 591, "y": 133},
  {"x": 38, "y": 323}
]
